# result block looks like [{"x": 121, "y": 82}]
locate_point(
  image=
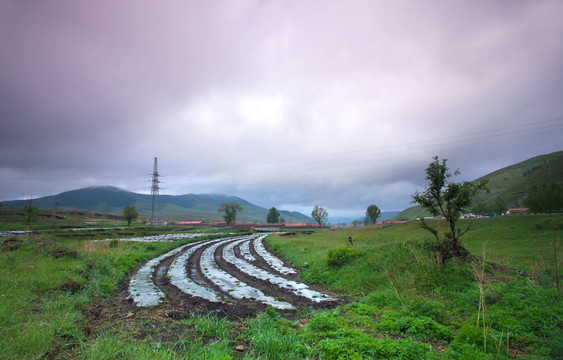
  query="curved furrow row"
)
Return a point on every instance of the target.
[
  {"x": 181, "y": 278},
  {"x": 231, "y": 284},
  {"x": 297, "y": 288},
  {"x": 273, "y": 261},
  {"x": 216, "y": 272},
  {"x": 244, "y": 250},
  {"x": 142, "y": 289}
]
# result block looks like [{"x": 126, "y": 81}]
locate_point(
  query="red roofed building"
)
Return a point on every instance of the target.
[
  {"x": 517, "y": 211},
  {"x": 188, "y": 223}
]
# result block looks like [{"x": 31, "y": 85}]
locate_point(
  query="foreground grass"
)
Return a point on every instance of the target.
[
  {"x": 402, "y": 303},
  {"x": 46, "y": 286}
]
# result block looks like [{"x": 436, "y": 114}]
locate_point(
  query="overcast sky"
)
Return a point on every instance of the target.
[{"x": 292, "y": 104}]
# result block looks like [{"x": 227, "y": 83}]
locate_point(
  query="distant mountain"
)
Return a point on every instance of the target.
[
  {"x": 385, "y": 215},
  {"x": 112, "y": 200},
  {"x": 512, "y": 182}
]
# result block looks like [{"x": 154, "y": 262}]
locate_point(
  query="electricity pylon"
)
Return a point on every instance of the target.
[{"x": 155, "y": 187}]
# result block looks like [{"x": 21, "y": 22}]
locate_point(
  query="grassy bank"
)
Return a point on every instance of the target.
[{"x": 400, "y": 302}]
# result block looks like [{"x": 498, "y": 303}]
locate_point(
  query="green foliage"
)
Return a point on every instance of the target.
[
  {"x": 44, "y": 297},
  {"x": 356, "y": 345},
  {"x": 510, "y": 183},
  {"x": 493, "y": 206},
  {"x": 447, "y": 199},
  {"x": 545, "y": 198},
  {"x": 382, "y": 298},
  {"x": 229, "y": 211},
  {"x": 403, "y": 303},
  {"x": 273, "y": 216},
  {"x": 272, "y": 338},
  {"x": 419, "y": 327},
  {"x": 499, "y": 206},
  {"x": 320, "y": 215},
  {"x": 209, "y": 325},
  {"x": 336, "y": 338},
  {"x": 372, "y": 214},
  {"x": 31, "y": 213},
  {"x": 130, "y": 214},
  {"x": 341, "y": 256}
]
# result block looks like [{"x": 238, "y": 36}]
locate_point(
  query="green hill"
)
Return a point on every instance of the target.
[
  {"x": 112, "y": 200},
  {"x": 512, "y": 182}
]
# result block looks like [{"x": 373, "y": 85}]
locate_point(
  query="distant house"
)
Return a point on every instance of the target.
[{"x": 517, "y": 211}]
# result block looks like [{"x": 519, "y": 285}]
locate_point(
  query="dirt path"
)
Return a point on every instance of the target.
[{"x": 236, "y": 276}]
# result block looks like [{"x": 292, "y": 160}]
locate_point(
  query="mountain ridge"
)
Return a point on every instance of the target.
[
  {"x": 510, "y": 183},
  {"x": 112, "y": 200}
]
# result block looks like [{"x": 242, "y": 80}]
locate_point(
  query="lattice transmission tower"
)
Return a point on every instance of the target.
[{"x": 155, "y": 188}]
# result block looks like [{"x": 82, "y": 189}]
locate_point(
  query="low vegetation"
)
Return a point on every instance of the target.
[{"x": 400, "y": 300}]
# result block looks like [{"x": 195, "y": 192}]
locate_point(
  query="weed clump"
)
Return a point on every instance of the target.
[
  {"x": 340, "y": 256},
  {"x": 63, "y": 252},
  {"x": 12, "y": 244},
  {"x": 419, "y": 327}
]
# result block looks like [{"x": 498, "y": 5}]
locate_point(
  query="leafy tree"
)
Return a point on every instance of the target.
[
  {"x": 273, "y": 216},
  {"x": 546, "y": 197},
  {"x": 450, "y": 200},
  {"x": 282, "y": 220},
  {"x": 555, "y": 196},
  {"x": 372, "y": 213},
  {"x": 229, "y": 211},
  {"x": 499, "y": 206},
  {"x": 130, "y": 214},
  {"x": 533, "y": 199},
  {"x": 358, "y": 222},
  {"x": 320, "y": 215},
  {"x": 31, "y": 212},
  {"x": 480, "y": 208}
]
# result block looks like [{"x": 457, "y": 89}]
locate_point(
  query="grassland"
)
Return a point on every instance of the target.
[{"x": 58, "y": 299}]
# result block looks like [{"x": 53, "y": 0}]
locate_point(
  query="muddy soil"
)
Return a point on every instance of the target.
[{"x": 178, "y": 304}]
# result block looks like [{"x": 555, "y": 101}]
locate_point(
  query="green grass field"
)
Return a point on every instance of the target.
[{"x": 400, "y": 302}]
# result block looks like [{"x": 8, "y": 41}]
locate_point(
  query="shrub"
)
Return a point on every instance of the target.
[
  {"x": 420, "y": 327},
  {"x": 474, "y": 336},
  {"x": 354, "y": 344},
  {"x": 324, "y": 322},
  {"x": 382, "y": 298},
  {"x": 340, "y": 256}
]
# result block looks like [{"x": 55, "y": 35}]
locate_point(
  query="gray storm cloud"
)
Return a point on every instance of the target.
[{"x": 341, "y": 104}]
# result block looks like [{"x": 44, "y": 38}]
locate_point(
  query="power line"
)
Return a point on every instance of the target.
[{"x": 342, "y": 160}]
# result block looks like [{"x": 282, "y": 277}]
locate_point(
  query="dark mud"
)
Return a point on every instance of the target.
[{"x": 179, "y": 305}]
